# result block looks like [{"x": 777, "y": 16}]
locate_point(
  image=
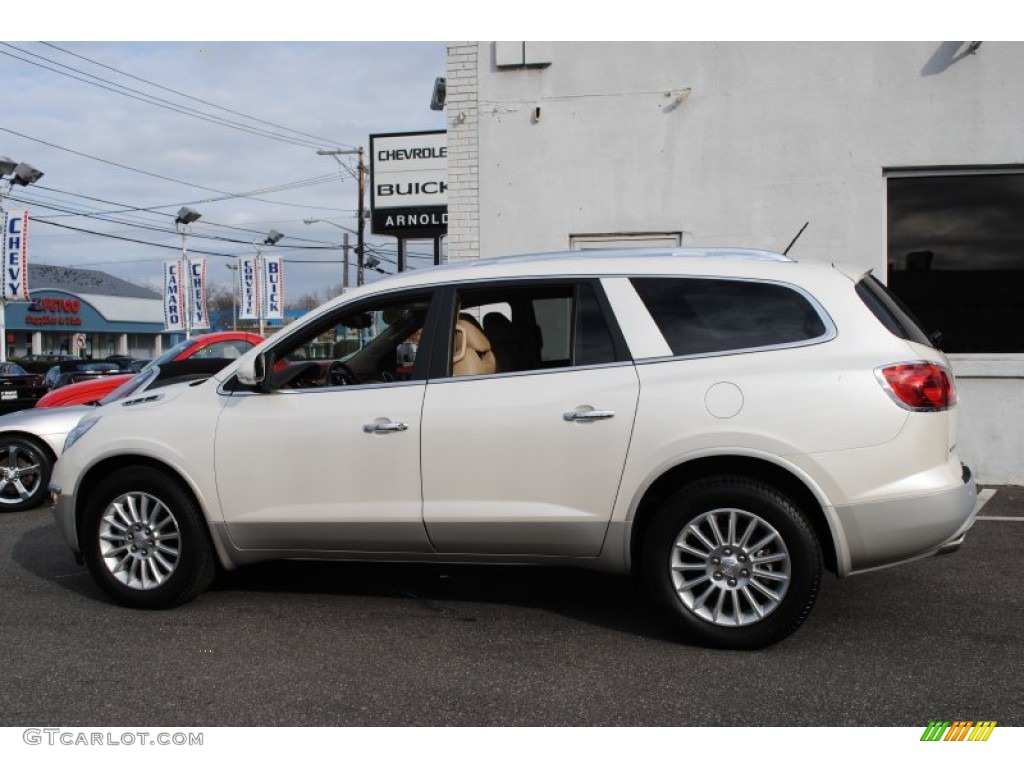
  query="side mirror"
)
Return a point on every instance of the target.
[{"x": 253, "y": 371}]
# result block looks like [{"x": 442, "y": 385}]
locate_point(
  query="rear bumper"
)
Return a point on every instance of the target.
[{"x": 894, "y": 531}]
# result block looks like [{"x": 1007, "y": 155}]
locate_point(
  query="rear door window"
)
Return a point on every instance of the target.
[{"x": 699, "y": 316}]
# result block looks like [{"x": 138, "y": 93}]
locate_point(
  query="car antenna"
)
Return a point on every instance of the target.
[{"x": 786, "y": 252}]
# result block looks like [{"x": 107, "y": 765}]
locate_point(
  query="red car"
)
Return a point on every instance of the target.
[{"x": 222, "y": 344}]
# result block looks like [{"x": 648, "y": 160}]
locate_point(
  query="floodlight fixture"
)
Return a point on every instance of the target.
[
  {"x": 187, "y": 215},
  {"x": 273, "y": 237},
  {"x": 437, "y": 99},
  {"x": 24, "y": 174}
]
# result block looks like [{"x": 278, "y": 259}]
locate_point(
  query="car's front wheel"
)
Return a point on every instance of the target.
[
  {"x": 145, "y": 540},
  {"x": 734, "y": 563},
  {"x": 25, "y": 468}
]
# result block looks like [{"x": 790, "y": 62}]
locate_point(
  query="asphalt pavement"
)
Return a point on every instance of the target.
[{"x": 328, "y": 644}]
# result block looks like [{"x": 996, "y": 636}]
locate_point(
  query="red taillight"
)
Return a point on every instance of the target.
[{"x": 920, "y": 386}]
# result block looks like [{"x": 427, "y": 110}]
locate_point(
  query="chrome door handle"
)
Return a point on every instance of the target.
[
  {"x": 587, "y": 415},
  {"x": 384, "y": 426}
]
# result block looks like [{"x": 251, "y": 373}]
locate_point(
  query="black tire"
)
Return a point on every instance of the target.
[
  {"x": 25, "y": 468},
  {"x": 741, "y": 589},
  {"x": 172, "y": 560}
]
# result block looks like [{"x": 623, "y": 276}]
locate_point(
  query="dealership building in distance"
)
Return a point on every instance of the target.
[
  {"x": 83, "y": 311},
  {"x": 907, "y": 158}
]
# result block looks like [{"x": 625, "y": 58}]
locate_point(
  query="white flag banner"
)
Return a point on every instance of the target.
[
  {"x": 174, "y": 296},
  {"x": 248, "y": 290},
  {"x": 200, "y": 318},
  {"x": 273, "y": 282},
  {"x": 14, "y": 249}
]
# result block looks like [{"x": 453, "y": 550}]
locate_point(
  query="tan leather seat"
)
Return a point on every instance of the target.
[{"x": 473, "y": 355}]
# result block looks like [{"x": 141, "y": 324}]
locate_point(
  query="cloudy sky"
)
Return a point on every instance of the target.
[{"x": 165, "y": 144}]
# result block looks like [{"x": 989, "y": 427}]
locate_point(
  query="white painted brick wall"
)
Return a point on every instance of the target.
[{"x": 463, "y": 154}]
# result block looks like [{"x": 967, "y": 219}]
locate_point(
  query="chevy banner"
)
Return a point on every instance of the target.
[
  {"x": 174, "y": 297},
  {"x": 248, "y": 290},
  {"x": 197, "y": 294},
  {"x": 14, "y": 250},
  {"x": 273, "y": 283}
]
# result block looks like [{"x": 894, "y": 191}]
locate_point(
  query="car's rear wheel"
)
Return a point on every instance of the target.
[
  {"x": 25, "y": 468},
  {"x": 145, "y": 540},
  {"x": 734, "y": 563}
]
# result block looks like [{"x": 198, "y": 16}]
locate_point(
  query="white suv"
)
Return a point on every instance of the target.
[{"x": 725, "y": 424}]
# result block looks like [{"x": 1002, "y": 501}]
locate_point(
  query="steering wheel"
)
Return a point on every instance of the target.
[{"x": 340, "y": 374}]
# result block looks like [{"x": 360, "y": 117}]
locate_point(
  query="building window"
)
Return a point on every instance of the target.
[{"x": 956, "y": 256}]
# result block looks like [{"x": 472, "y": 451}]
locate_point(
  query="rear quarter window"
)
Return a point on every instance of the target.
[
  {"x": 704, "y": 316},
  {"x": 890, "y": 311}
]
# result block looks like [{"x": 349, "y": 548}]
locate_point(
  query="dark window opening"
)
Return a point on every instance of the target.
[{"x": 956, "y": 257}]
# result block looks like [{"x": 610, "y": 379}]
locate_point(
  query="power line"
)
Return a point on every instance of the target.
[
  {"x": 154, "y": 210},
  {"x": 160, "y": 176},
  {"x": 155, "y": 101},
  {"x": 193, "y": 98}
]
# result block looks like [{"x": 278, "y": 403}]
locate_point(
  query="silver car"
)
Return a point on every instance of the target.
[{"x": 31, "y": 441}]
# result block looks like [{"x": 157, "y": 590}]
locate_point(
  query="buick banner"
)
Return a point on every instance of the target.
[{"x": 273, "y": 285}]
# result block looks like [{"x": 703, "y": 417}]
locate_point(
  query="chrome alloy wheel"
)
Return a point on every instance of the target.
[
  {"x": 21, "y": 474},
  {"x": 730, "y": 567},
  {"x": 140, "y": 543}
]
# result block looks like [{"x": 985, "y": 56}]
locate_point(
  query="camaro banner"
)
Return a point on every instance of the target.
[
  {"x": 200, "y": 319},
  {"x": 248, "y": 290},
  {"x": 174, "y": 296},
  {"x": 14, "y": 249},
  {"x": 273, "y": 282}
]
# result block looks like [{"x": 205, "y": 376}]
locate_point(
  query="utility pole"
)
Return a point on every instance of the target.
[{"x": 361, "y": 229}]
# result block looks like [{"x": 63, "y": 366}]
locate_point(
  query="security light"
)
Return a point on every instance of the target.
[
  {"x": 25, "y": 174},
  {"x": 437, "y": 99},
  {"x": 272, "y": 237},
  {"x": 187, "y": 215}
]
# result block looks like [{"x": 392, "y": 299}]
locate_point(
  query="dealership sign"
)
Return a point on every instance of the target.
[
  {"x": 261, "y": 288},
  {"x": 197, "y": 294},
  {"x": 248, "y": 290},
  {"x": 174, "y": 296},
  {"x": 409, "y": 193},
  {"x": 273, "y": 287},
  {"x": 14, "y": 248}
]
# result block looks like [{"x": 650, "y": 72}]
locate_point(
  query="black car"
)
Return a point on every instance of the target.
[
  {"x": 18, "y": 388},
  {"x": 128, "y": 363},
  {"x": 42, "y": 363},
  {"x": 74, "y": 371}
]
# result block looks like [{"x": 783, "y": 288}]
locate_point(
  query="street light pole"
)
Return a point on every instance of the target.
[
  {"x": 186, "y": 216},
  {"x": 11, "y": 173},
  {"x": 361, "y": 228},
  {"x": 272, "y": 238},
  {"x": 344, "y": 249},
  {"x": 235, "y": 288}
]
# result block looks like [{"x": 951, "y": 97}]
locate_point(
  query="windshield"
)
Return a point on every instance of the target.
[
  {"x": 140, "y": 381},
  {"x": 170, "y": 354}
]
